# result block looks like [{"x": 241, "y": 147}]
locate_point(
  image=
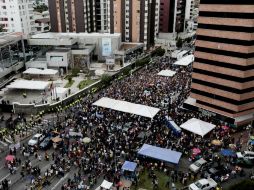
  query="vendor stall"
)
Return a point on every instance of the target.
[{"x": 129, "y": 169}]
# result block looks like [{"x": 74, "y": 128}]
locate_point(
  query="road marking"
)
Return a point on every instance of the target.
[
  {"x": 3, "y": 143},
  {"x": 63, "y": 178},
  {"x": 5, "y": 177}
]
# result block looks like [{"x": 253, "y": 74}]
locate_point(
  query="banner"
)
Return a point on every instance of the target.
[
  {"x": 110, "y": 61},
  {"x": 106, "y": 47}
]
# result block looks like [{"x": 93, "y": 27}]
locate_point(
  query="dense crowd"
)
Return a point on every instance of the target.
[{"x": 116, "y": 136}]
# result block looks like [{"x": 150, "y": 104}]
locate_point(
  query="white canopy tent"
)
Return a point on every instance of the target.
[
  {"x": 106, "y": 185},
  {"x": 128, "y": 107},
  {"x": 35, "y": 71},
  {"x": 185, "y": 61},
  {"x": 59, "y": 92},
  {"x": 28, "y": 85},
  {"x": 167, "y": 73},
  {"x": 197, "y": 126}
]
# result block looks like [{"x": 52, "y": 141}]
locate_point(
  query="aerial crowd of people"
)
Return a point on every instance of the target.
[{"x": 117, "y": 136}]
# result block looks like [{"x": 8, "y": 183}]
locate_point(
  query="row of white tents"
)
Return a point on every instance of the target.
[{"x": 193, "y": 125}]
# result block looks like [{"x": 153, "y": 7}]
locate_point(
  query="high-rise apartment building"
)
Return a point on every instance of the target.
[
  {"x": 167, "y": 16},
  {"x": 17, "y": 16},
  {"x": 102, "y": 15},
  {"x": 180, "y": 15},
  {"x": 173, "y": 15},
  {"x": 72, "y": 15},
  {"x": 136, "y": 20},
  {"x": 223, "y": 73}
]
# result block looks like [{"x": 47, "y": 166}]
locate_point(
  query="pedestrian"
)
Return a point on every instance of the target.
[
  {"x": 53, "y": 156},
  {"x": 168, "y": 183},
  {"x": 22, "y": 174},
  {"x": 39, "y": 157}
]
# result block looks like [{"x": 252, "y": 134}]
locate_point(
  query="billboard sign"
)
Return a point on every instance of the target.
[
  {"x": 106, "y": 47},
  {"x": 110, "y": 61}
]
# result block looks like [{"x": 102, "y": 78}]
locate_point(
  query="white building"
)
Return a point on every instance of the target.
[
  {"x": 191, "y": 15},
  {"x": 43, "y": 2},
  {"x": 42, "y": 21},
  {"x": 17, "y": 16},
  {"x": 104, "y": 16},
  {"x": 189, "y": 10}
]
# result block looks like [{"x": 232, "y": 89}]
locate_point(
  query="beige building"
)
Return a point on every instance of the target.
[
  {"x": 136, "y": 20},
  {"x": 223, "y": 74}
]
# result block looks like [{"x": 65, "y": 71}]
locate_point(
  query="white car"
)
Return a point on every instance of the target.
[
  {"x": 37, "y": 138},
  {"x": 249, "y": 155},
  {"x": 203, "y": 184},
  {"x": 196, "y": 166}
]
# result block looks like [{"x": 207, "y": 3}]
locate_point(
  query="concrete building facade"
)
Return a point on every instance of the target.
[
  {"x": 223, "y": 73},
  {"x": 72, "y": 15},
  {"x": 17, "y": 16},
  {"x": 173, "y": 15},
  {"x": 137, "y": 21}
]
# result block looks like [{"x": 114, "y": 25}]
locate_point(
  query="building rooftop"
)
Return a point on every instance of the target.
[
  {"x": 54, "y": 35},
  {"x": 42, "y": 20},
  {"x": 8, "y": 38}
]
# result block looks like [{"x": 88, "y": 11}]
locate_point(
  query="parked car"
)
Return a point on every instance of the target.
[
  {"x": 203, "y": 184},
  {"x": 217, "y": 173},
  {"x": 249, "y": 155},
  {"x": 37, "y": 138},
  {"x": 247, "y": 163},
  {"x": 198, "y": 165},
  {"x": 46, "y": 143}
]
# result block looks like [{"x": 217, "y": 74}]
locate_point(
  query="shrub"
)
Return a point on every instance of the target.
[
  {"x": 126, "y": 70},
  {"x": 179, "y": 43},
  {"x": 105, "y": 79},
  {"x": 143, "y": 62},
  {"x": 69, "y": 79},
  {"x": 74, "y": 72},
  {"x": 159, "y": 52}
]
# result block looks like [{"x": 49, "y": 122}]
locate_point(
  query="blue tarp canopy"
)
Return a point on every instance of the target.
[
  {"x": 158, "y": 153},
  {"x": 173, "y": 126},
  {"x": 129, "y": 166},
  {"x": 252, "y": 142},
  {"x": 227, "y": 152}
]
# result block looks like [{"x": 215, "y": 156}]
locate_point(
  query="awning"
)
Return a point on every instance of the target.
[
  {"x": 167, "y": 73},
  {"x": 57, "y": 139},
  {"x": 128, "y": 107},
  {"x": 106, "y": 185},
  {"x": 228, "y": 152},
  {"x": 158, "y": 153},
  {"x": 28, "y": 84},
  {"x": 197, "y": 126},
  {"x": 35, "y": 71},
  {"x": 185, "y": 61},
  {"x": 129, "y": 166}
]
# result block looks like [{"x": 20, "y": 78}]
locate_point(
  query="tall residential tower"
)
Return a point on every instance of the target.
[
  {"x": 17, "y": 16},
  {"x": 223, "y": 74},
  {"x": 72, "y": 15},
  {"x": 136, "y": 20}
]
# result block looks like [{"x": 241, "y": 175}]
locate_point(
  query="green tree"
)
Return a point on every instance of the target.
[
  {"x": 75, "y": 72},
  {"x": 179, "y": 43},
  {"x": 106, "y": 79},
  {"x": 40, "y": 8},
  {"x": 1, "y": 28},
  {"x": 69, "y": 79}
]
